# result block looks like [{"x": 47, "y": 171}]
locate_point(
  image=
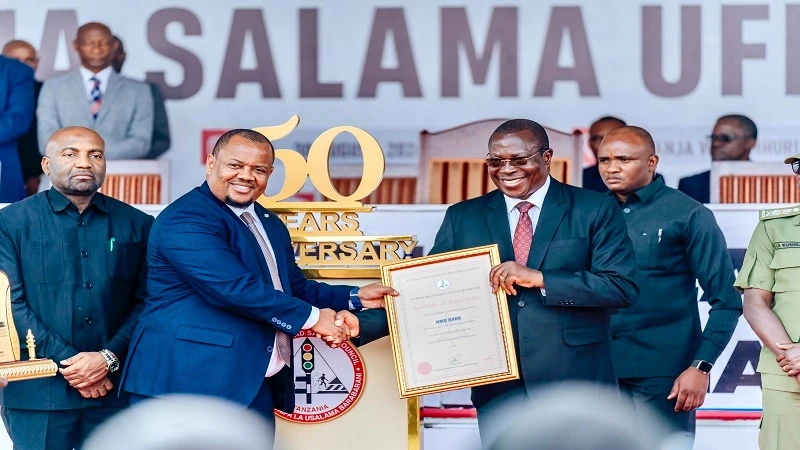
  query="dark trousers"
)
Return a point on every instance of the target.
[
  {"x": 499, "y": 397},
  {"x": 53, "y": 430},
  {"x": 652, "y": 393}
]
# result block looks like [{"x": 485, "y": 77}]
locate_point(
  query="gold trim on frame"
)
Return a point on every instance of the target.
[{"x": 512, "y": 373}]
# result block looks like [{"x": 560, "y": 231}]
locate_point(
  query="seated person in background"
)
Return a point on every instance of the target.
[
  {"x": 96, "y": 97},
  {"x": 733, "y": 137},
  {"x": 599, "y": 129}
]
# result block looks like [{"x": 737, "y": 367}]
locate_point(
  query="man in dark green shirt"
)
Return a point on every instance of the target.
[
  {"x": 75, "y": 260},
  {"x": 661, "y": 356}
]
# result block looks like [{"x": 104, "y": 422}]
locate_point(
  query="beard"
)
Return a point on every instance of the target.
[
  {"x": 83, "y": 187},
  {"x": 235, "y": 204}
]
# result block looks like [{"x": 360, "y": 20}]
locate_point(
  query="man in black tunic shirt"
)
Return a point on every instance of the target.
[
  {"x": 76, "y": 263},
  {"x": 661, "y": 355}
]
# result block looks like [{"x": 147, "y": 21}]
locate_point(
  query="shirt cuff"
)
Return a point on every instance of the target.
[{"x": 313, "y": 318}]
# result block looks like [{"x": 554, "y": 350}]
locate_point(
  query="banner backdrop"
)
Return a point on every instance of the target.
[{"x": 395, "y": 69}]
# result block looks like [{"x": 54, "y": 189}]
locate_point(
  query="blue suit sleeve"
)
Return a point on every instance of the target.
[
  {"x": 16, "y": 119},
  {"x": 216, "y": 273}
]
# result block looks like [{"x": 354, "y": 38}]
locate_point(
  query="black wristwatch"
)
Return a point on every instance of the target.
[{"x": 702, "y": 366}]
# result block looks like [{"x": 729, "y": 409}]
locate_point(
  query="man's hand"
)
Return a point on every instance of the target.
[
  {"x": 374, "y": 295},
  {"x": 327, "y": 329},
  {"x": 97, "y": 390},
  {"x": 3, "y": 382},
  {"x": 509, "y": 273},
  {"x": 690, "y": 389},
  {"x": 84, "y": 369},
  {"x": 789, "y": 358},
  {"x": 349, "y": 321}
]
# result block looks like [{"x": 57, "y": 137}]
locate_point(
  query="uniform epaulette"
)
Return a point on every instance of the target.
[{"x": 766, "y": 214}]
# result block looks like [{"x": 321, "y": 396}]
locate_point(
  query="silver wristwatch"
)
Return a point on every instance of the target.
[{"x": 111, "y": 360}]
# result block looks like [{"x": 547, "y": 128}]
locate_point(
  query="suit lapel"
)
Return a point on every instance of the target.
[
  {"x": 114, "y": 85},
  {"x": 81, "y": 100},
  {"x": 497, "y": 220},
  {"x": 552, "y": 212}
]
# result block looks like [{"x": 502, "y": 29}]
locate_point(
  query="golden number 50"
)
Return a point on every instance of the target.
[{"x": 316, "y": 166}]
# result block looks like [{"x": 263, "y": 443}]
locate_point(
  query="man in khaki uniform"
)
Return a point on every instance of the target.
[{"x": 770, "y": 279}]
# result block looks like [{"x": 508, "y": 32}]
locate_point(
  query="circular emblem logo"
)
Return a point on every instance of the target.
[
  {"x": 443, "y": 284},
  {"x": 328, "y": 381}
]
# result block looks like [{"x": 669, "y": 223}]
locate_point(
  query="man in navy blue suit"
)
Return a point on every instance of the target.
[
  {"x": 16, "y": 114},
  {"x": 733, "y": 137},
  {"x": 225, "y": 295}
]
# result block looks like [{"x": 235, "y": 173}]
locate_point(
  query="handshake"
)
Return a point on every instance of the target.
[{"x": 336, "y": 327}]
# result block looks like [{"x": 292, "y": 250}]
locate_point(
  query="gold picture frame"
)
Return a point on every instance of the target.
[{"x": 449, "y": 337}]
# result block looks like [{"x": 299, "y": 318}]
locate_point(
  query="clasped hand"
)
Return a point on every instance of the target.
[
  {"x": 335, "y": 328},
  {"x": 87, "y": 372},
  {"x": 789, "y": 359}
]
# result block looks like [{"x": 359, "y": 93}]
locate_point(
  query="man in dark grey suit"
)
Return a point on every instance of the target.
[
  {"x": 161, "y": 138},
  {"x": 96, "y": 97},
  {"x": 567, "y": 263}
]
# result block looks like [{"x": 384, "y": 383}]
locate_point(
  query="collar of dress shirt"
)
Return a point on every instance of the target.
[
  {"x": 103, "y": 76},
  {"x": 537, "y": 198},
  {"x": 238, "y": 211},
  {"x": 59, "y": 202}
]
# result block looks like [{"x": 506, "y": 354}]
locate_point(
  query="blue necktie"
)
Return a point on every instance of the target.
[{"x": 97, "y": 98}]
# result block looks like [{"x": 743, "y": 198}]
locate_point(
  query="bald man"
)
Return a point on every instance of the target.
[
  {"x": 661, "y": 356},
  {"x": 76, "y": 263},
  {"x": 96, "y": 97},
  {"x": 28, "y": 143},
  {"x": 597, "y": 131}
]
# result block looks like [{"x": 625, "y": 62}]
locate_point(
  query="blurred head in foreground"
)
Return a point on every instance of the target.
[
  {"x": 183, "y": 422},
  {"x": 578, "y": 416}
]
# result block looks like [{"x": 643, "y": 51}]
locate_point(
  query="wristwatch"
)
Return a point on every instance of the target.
[
  {"x": 111, "y": 360},
  {"x": 702, "y": 366}
]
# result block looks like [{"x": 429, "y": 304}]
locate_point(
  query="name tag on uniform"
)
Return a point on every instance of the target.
[{"x": 780, "y": 245}]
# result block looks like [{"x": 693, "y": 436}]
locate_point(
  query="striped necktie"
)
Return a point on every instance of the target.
[
  {"x": 96, "y": 97},
  {"x": 282, "y": 340}
]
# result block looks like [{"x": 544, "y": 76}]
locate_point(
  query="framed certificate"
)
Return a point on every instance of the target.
[{"x": 448, "y": 329}]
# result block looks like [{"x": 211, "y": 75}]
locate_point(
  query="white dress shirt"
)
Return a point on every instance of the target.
[
  {"x": 102, "y": 76},
  {"x": 276, "y": 363},
  {"x": 537, "y": 198}
]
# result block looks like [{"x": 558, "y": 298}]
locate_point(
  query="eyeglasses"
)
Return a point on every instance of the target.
[
  {"x": 725, "y": 138},
  {"x": 519, "y": 161},
  {"x": 796, "y": 166}
]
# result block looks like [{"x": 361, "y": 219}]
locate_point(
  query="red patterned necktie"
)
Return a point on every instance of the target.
[
  {"x": 97, "y": 98},
  {"x": 523, "y": 235},
  {"x": 282, "y": 340}
]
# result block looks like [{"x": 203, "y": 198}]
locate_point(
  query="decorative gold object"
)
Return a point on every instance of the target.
[
  {"x": 326, "y": 235},
  {"x": 10, "y": 365}
]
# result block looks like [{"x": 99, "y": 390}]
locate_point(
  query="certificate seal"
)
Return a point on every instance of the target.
[
  {"x": 443, "y": 284},
  {"x": 328, "y": 381},
  {"x": 424, "y": 368}
]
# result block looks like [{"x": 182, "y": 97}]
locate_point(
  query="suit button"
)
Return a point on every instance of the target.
[
  {"x": 288, "y": 327},
  {"x": 84, "y": 253},
  {"x": 274, "y": 320},
  {"x": 87, "y": 285},
  {"x": 521, "y": 303},
  {"x": 269, "y": 348},
  {"x": 614, "y": 337},
  {"x": 88, "y": 320},
  {"x": 81, "y": 223},
  {"x": 626, "y": 210}
]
